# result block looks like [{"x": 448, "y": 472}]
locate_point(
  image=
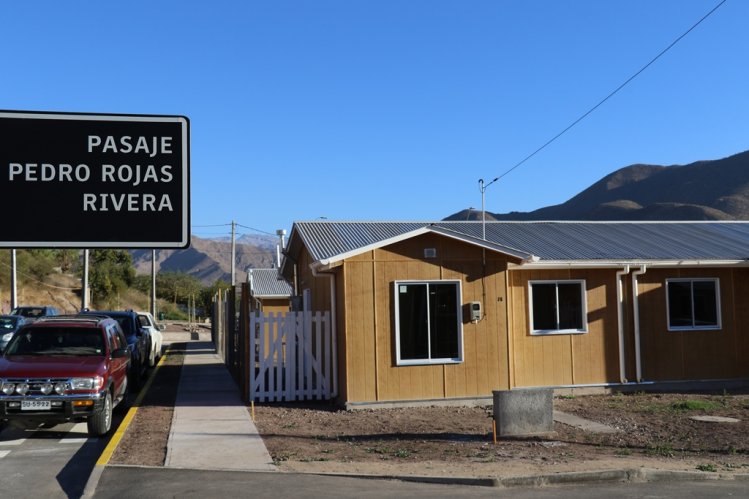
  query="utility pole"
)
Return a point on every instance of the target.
[
  {"x": 153, "y": 283},
  {"x": 233, "y": 253},
  {"x": 84, "y": 291},
  {"x": 13, "y": 281}
]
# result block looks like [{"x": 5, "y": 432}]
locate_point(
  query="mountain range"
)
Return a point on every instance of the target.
[
  {"x": 210, "y": 260},
  {"x": 704, "y": 190}
]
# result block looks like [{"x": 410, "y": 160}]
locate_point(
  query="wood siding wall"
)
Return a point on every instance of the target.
[
  {"x": 566, "y": 359},
  {"x": 694, "y": 355},
  {"x": 275, "y": 305},
  {"x": 370, "y": 328}
]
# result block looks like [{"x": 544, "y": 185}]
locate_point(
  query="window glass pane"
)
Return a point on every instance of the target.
[
  {"x": 570, "y": 305},
  {"x": 412, "y": 321},
  {"x": 544, "y": 306},
  {"x": 680, "y": 304},
  {"x": 705, "y": 303},
  {"x": 443, "y": 319}
]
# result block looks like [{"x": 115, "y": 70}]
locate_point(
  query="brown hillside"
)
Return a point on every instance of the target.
[
  {"x": 704, "y": 190},
  {"x": 206, "y": 259}
]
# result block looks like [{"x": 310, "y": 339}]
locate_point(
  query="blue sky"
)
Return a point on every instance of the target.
[{"x": 391, "y": 110}]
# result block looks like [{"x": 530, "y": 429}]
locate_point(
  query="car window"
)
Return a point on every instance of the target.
[
  {"x": 125, "y": 323},
  {"x": 28, "y": 311},
  {"x": 8, "y": 322},
  {"x": 57, "y": 341},
  {"x": 143, "y": 320}
]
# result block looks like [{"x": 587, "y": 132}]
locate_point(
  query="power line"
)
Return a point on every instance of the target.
[
  {"x": 236, "y": 224},
  {"x": 611, "y": 94},
  {"x": 255, "y": 230}
]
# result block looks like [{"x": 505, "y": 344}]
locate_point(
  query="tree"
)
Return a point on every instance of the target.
[
  {"x": 111, "y": 272},
  {"x": 67, "y": 259},
  {"x": 176, "y": 286}
]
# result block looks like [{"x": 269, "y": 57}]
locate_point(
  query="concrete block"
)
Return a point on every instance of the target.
[{"x": 524, "y": 412}]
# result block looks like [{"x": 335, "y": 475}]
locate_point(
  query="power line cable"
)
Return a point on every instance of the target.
[
  {"x": 258, "y": 230},
  {"x": 611, "y": 94}
]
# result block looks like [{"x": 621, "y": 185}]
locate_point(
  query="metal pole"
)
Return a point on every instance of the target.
[
  {"x": 13, "y": 281},
  {"x": 483, "y": 210},
  {"x": 153, "y": 283},
  {"x": 483, "y": 188},
  {"x": 84, "y": 291},
  {"x": 233, "y": 253}
]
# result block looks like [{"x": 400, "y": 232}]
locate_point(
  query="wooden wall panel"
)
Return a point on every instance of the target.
[
  {"x": 690, "y": 355},
  {"x": 361, "y": 330},
  {"x": 275, "y": 305},
  {"x": 480, "y": 371},
  {"x": 741, "y": 320},
  {"x": 566, "y": 359}
]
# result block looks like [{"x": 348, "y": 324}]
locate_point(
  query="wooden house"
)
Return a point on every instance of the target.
[
  {"x": 269, "y": 292},
  {"x": 450, "y": 311}
]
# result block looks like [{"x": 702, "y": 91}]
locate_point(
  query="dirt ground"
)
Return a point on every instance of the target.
[
  {"x": 654, "y": 431},
  {"x": 145, "y": 441}
]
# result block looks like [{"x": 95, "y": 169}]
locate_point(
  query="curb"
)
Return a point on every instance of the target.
[{"x": 631, "y": 475}]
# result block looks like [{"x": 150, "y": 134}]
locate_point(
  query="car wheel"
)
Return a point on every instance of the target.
[{"x": 100, "y": 423}]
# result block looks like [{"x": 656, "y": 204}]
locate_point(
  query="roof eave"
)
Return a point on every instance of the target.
[{"x": 588, "y": 264}]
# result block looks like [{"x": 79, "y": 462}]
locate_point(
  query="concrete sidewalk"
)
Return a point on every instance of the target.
[{"x": 211, "y": 426}]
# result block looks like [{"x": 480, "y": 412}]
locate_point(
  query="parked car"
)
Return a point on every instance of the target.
[
  {"x": 66, "y": 368},
  {"x": 147, "y": 321},
  {"x": 34, "y": 312},
  {"x": 138, "y": 340},
  {"x": 9, "y": 324}
]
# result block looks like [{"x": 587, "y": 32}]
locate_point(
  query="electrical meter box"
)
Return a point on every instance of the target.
[{"x": 475, "y": 310}]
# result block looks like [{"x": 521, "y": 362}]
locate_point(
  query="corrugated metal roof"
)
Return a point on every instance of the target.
[
  {"x": 551, "y": 241},
  {"x": 265, "y": 283}
]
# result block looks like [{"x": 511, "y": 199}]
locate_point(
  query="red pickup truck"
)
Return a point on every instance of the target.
[{"x": 65, "y": 368}]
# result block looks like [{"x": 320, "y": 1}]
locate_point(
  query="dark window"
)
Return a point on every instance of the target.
[
  {"x": 693, "y": 304},
  {"x": 428, "y": 321},
  {"x": 557, "y": 306},
  {"x": 57, "y": 341}
]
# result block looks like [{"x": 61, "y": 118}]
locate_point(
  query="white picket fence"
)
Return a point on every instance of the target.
[{"x": 294, "y": 357}]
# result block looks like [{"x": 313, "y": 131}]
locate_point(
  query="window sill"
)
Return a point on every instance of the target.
[
  {"x": 705, "y": 328},
  {"x": 554, "y": 332},
  {"x": 421, "y": 362}
]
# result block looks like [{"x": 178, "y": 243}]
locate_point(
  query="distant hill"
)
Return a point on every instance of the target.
[
  {"x": 210, "y": 260},
  {"x": 704, "y": 190}
]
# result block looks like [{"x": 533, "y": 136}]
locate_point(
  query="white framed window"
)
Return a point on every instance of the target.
[
  {"x": 693, "y": 304},
  {"x": 557, "y": 307},
  {"x": 428, "y": 326}
]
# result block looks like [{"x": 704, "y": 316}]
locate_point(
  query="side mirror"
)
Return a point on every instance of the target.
[
  {"x": 120, "y": 353},
  {"x": 162, "y": 327}
]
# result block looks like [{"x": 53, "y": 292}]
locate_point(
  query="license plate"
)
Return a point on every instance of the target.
[{"x": 36, "y": 405}]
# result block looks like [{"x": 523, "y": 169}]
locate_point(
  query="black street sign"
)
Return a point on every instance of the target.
[{"x": 94, "y": 180}]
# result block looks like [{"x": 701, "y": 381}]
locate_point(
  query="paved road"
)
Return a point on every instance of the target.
[
  {"x": 123, "y": 482},
  {"x": 49, "y": 463}
]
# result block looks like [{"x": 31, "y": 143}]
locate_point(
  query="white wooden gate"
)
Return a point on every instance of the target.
[{"x": 294, "y": 357}]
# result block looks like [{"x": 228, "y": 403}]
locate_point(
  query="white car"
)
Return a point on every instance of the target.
[{"x": 147, "y": 321}]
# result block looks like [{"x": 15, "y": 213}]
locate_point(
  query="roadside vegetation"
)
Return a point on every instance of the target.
[{"x": 53, "y": 277}]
